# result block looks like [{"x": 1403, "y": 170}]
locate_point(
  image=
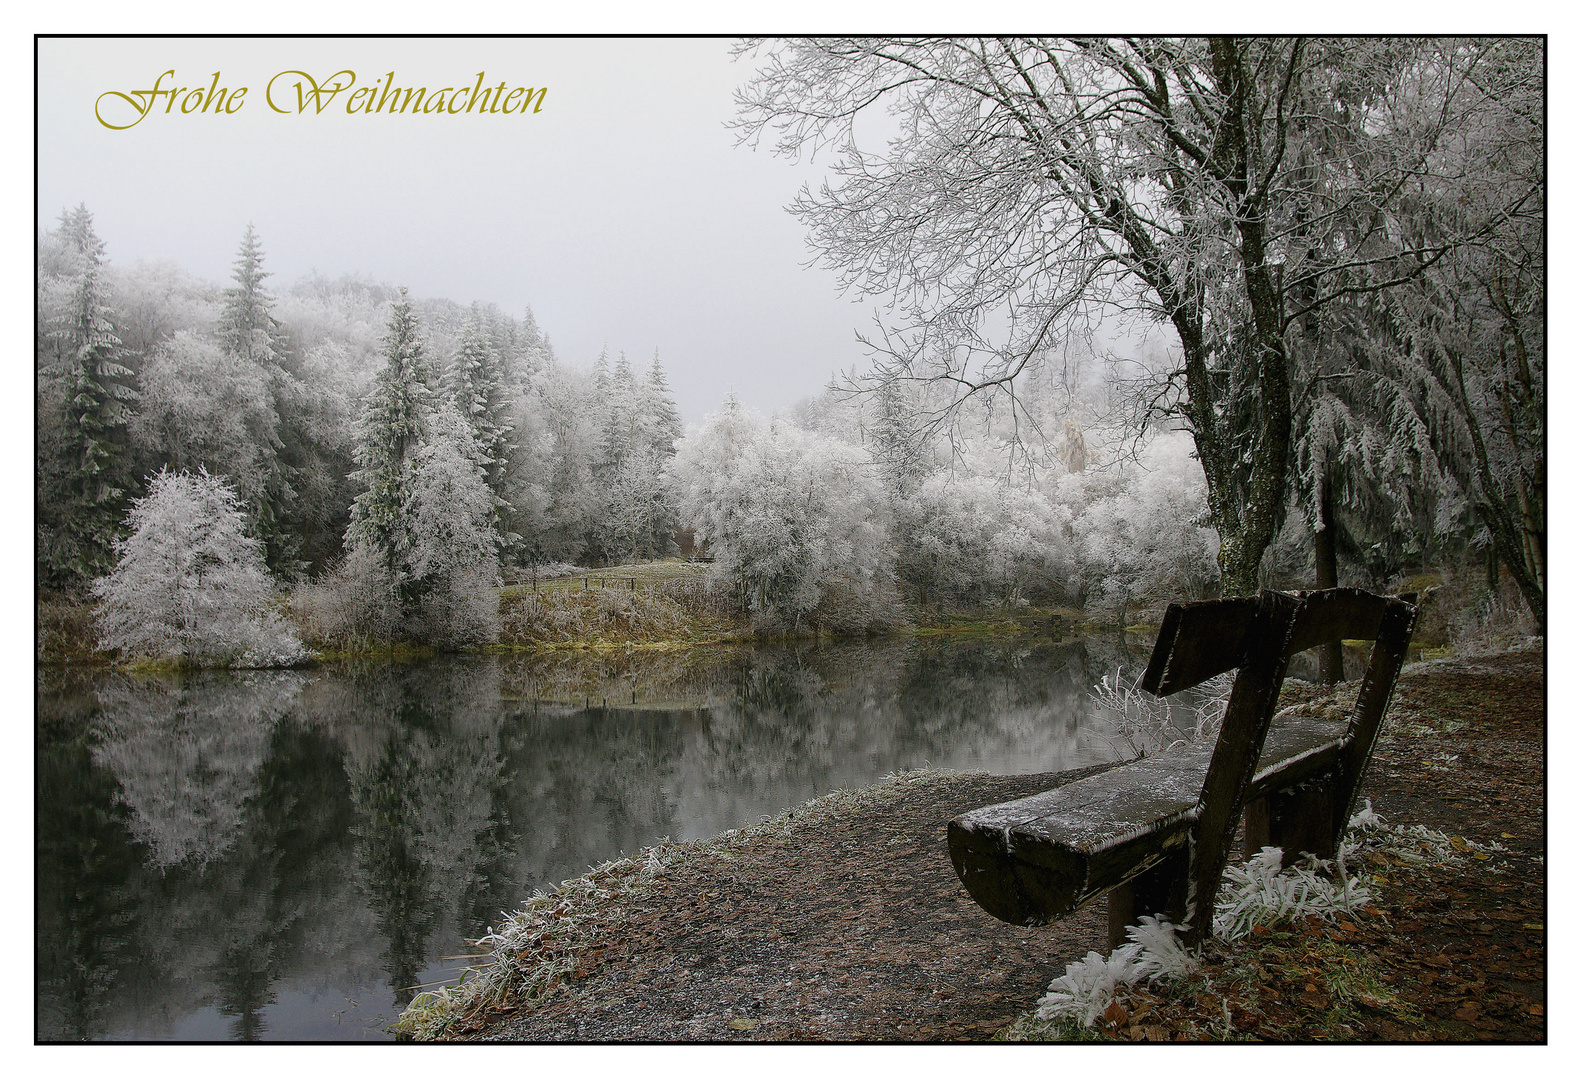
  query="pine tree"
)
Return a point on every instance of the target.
[
  {"x": 248, "y": 331},
  {"x": 897, "y": 444},
  {"x": 395, "y": 418},
  {"x": 620, "y": 436},
  {"x": 661, "y": 419},
  {"x": 83, "y": 491},
  {"x": 476, "y": 386},
  {"x": 247, "y": 328}
]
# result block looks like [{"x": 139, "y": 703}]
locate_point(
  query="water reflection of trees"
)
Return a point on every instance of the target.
[
  {"x": 154, "y": 903},
  {"x": 424, "y": 763},
  {"x": 185, "y": 753},
  {"x": 216, "y": 841}
]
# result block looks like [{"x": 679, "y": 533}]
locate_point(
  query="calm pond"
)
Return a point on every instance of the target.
[{"x": 286, "y": 855}]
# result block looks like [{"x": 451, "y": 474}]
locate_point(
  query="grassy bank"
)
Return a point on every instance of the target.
[{"x": 673, "y": 604}]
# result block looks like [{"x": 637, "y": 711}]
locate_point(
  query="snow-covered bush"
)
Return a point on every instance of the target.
[
  {"x": 1262, "y": 893},
  {"x": 1257, "y": 893},
  {"x": 1148, "y": 544},
  {"x": 352, "y": 605},
  {"x": 970, "y": 539},
  {"x": 460, "y": 611},
  {"x": 190, "y": 583},
  {"x": 787, "y": 514}
]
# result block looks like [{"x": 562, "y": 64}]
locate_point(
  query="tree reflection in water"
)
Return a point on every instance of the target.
[{"x": 245, "y": 856}]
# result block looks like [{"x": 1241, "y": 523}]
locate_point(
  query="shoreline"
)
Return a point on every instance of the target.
[{"x": 70, "y": 649}]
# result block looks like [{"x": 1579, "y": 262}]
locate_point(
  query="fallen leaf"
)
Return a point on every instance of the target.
[
  {"x": 1115, "y": 1015},
  {"x": 743, "y": 1024}
]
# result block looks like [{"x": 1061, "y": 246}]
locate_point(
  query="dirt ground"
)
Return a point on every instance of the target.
[{"x": 855, "y": 928}]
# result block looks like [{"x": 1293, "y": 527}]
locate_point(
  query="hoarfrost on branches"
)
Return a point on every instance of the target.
[{"x": 190, "y": 583}]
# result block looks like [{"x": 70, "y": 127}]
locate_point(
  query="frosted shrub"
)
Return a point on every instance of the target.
[
  {"x": 1256, "y": 893},
  {"x": 461, "y": 612},
  {"x": 787, "y": 514},
  {"x": 851, "y": 605},
  {"x": 190, "y": 583},
  {"x": 557, "y": 615},
  {"x": 1146, "y": 545},
  {"x": 1261, "y": 893},
  {"x": 1142, "y": 723},
  {"x": 971, "y": 539},
  {"x": 1090, "y": 984},
  {"x": 352, "y": 605}
]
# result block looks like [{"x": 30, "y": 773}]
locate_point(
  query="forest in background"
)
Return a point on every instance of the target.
[{"x": 1352, "y": 387}]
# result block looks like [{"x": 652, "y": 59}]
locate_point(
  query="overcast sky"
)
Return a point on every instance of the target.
[{"x": 622, "y": 212}]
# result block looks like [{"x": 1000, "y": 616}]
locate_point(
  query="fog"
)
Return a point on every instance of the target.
[{"x": 622, "y": 212}]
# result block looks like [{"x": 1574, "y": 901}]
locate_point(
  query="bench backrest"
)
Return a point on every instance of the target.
[{"x": 1257, "y": 636}]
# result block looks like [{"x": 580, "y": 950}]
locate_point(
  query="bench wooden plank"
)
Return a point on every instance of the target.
[
  {"x": 1072, "y": 844},
  {"x": 1336, "y": 615},
  {"x": 1197, "y": 642}
]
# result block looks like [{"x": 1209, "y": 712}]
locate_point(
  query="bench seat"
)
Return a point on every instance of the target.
[{"x": 1041, "y": 858}]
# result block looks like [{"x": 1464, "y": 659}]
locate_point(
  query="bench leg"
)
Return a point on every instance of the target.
[
  {"x": 1299, "y": 819},
  {"x": 1158, "y": 891}
]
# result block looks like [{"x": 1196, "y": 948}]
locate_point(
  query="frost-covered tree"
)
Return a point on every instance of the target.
[
  {"x": 898, "y": 443},
  {"x": 1460, "y": 349},
  {"x": 568, "y": 401},
  {"x": 657, "y": 410},
  {"x": 248, "y": 331},
  {"x": 447, "y": 509},
  {"x": 190, "y": 582},
  {"x": 395, "y": 418},
  {"x": 1036, "y": 184},
  {"x": 427, "y": 514},
  {"x": 623, "y": 421},
  {"x": 638, "y": 519},
  {"x": 973, "y": 539},
  {"x": 476, "y": 387},
  {"x": 792, "y": 517},
  {"x": 450, "y": 546},
  {"x": 86, "y": 396},
  {"x": 206, "y": 408},
  {"x": 641, "y": 426},
  {"x": 1147, "y": 544}
]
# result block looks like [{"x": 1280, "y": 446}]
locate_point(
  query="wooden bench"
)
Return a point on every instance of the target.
[{"x": 1154, "y": 834}]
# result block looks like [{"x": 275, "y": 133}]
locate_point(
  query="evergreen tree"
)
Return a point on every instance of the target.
[
  {"x": 476, "y": 386},
  {"x": 897, "y": 444},
  {"x": 248, "y": 331},
  {"x": 247, "y": 326},
  {"x": 88, "y": 398},
  {"x": 661, "y": 419},
  {"x": 621, "y": 422},
  {"x": 395, "y": 418}
]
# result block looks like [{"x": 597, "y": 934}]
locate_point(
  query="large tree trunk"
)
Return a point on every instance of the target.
[{"x": 1247, "y": 479}]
